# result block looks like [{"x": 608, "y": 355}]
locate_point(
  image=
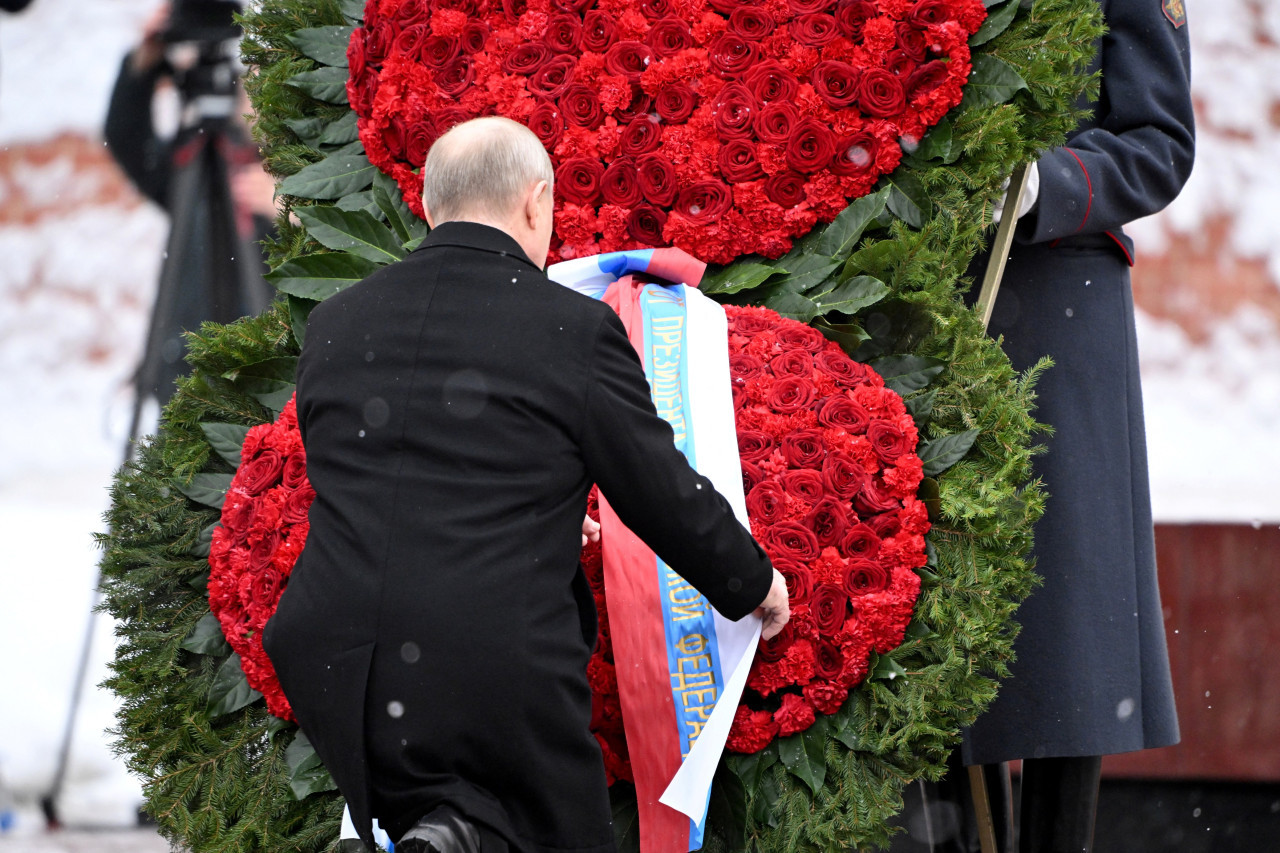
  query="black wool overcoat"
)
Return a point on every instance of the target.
[
  {"x": 1092, "y": 669},
  {"x": 456, "y": 408}
]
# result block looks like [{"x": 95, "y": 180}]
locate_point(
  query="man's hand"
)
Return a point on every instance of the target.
[
  {"x": 775, "y": 610},
  {"x": 590, "y": 530}
]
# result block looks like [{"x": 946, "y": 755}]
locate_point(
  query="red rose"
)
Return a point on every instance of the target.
[
  {"x": 578, "y": 180},
  {"x": 926, "y": 78},
  {"x": 835, "y": 82},
  {"x": 745, "y": 366},
  {"x": 638, "y": 106},
  {"x": 888, "y": 440},
  {"x": 791, "y": 394},
  {"x": 899, "y": 64},
  {"x": 266, "y": 588},
  {"x": 751, "y": 23},
  {"x": 885, "y": 525},
  {"x": 733, "y": 111},
  {"x": 408, "y": 14},
  {"x": 237, "y": 513},
  {"x": 417, "y": 142},
  {"x": 911, "y": 41},
  {"x": 294, "y": 473},
  {"x": 552, "y": 77},
  {"x": 645, "y": 223},
  {"x": 767, "y": 502},
  {"x": 704, "y": 202},
  {"x": 856, "y": 154},
  {"x": 657, "y": 178},
  {"x": 454, "y": 79},
  {"x": 861, "y": 541},
  {"x": 794, "y": 362},
  {"x": 730, "y": 54},
  {"x": 791, "y": 540},
  {"x": 296, "y": 506},
  {"x": 581, "y": 106},
  {"x": 839, "y": 366},
  {"x": 850, "y": 17},
  {"x": 811, "y": 145},
  {"x": 771, "y": 651},
  {"x": 655, "y": 9},
  {"x": 356, "y": 53},
  {"x": 798, "y": 577},
  {"x": 795, "y": 715},
  {"x": 737, "y": 161},
  {"x": 827, "y": 663},
  {"x": 547, "y": 123},
  {"x": 805, "y": 485},
  {"x": 803, "y": 448},
  {"x": 599, "y": 31},
  {"x": 785, "y": 189},
  {"x": 377, "y": 41},
  {"x": 564, "y": 33},
  {"x": 362, "y": 88},
  {"x": 874, "y": 498},
  {"x": 863, "y": 576},
  {"x": 843, "y": 414},
  {"x": 408, "y": 42},
  {"x": 880, "y": 94},
  {"x": 769, "y": 81},
  {"x": 513, "y": 9},
  {"x": 751, "y": 321},
  {"x": 830, "y": 607},
  {"x": 619, "y": 185},
  {"x": 641, "y": 136},
  {"x": 814, "y": 30},
  {"x": 393, "y": 136},
  {"x": 844, "y": 475},
  {"x": 774, "y": 122},
  {"x": 474, "y": 36},
  {"x": 926, "y": 12},
  {"x": 437, "y": 52},
  {"x": 262, "y": 551},
  {"x": 752, "y": 476},
  {"x": 668, "y": 37},
  {"x": 752, "y": 730},
  {"x": 261, "y": 472},
  {"x": 628, "y": 59},
  {"x": 754, "y": 445},
  {"x": 803, "y": 7},
  {"x": 828, "y": 520},
  {"x": 675, "y": 103},
  {"x": 797, "y": 336}
]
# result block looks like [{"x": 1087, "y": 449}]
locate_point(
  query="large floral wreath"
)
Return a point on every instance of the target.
[{"x": 224, "y": 774}]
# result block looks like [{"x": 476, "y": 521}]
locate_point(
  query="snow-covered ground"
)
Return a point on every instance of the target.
[{"x": 75, "y": 287}]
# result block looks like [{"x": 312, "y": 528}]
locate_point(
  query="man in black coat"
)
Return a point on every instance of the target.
[
  {"x": 1092, "y": 671},
  {"x": 456, "y": 408}
]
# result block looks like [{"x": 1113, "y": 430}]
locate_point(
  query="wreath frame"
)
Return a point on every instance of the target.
[{"x": 221, "y": 774}]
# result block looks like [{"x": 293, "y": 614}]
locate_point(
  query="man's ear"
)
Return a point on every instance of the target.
[{"x": 533, "y": 203}]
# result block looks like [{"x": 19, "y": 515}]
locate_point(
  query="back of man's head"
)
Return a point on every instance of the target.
[{"x": 480, "y": 169}]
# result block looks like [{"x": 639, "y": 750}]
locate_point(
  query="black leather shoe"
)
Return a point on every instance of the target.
[{"x": 442, "y": 831}]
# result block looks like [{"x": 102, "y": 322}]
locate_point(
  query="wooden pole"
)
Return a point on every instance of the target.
[
  {"x": 1000, "y": 245},
  {"x": 982, "y": 806}
]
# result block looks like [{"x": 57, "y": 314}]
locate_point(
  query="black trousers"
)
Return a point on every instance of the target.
[{"x": 1058, "y": 803}]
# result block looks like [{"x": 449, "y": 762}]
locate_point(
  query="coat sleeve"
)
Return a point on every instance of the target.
[
  {"x": 131, "y": 136},
  {"x": 1135, "y": 161},
  {"x": 631, "y": 453}
]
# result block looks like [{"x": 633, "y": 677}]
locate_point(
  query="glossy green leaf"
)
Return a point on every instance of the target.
[
  {"x": 918, "y": 630},
  {"x": 204, "y": 542},
  {"x": 318, "y": 277},
  {"x": 410, "y": 227},
  {"x": 993, "y": 81},
  {"x": 787, "y": 303},
  {"x": 921, "y": 406},
  {"x": 852, "y": 295},
  {"x": 351, "y": 231},
  {"x": 343, "y": 172},
  {"x": 931, "y": 496},
  {"x": 230, "y": 690},
  {"x": 907, "y": 373},
  {"x": 270, "y": 382},
  {"x": 343, "y": 131},
  {"x": 736, "y": 277},
  {"x": 309, "y": 130},
  {"x": 207, "y": 489},
  {"x": 299, "y": 311},
  {"x": 275, "y": 725},
  {"x": 727, "y": 808},
  {"x": 907, "y": 199},
  {"x": 804, "y": 754},
  {"x": 937, "y": 143},
  {"x": 352, "y": 10},
  {"x": 848, "y": 335},
  {"x": 887, "y": 669},
  {"x": 362, "y": 200},
  {"x": 206, "y": 638},
  {"x": 326, "y": 45},
  {"x": 226, "y": 440},
  {"x": 998, "y": 20},
  {"x": 307, "y": 774},
  {"x": 846, "y": 229},
  {"x": 941, "y": 453},
  {"x": 809, "y": 271},
  {"x": 323, "y": 84}
]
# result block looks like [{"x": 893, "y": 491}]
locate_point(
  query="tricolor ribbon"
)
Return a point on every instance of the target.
[{"x": 681, "y": 666}]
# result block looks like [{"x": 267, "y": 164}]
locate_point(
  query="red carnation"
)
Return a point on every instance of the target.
[
  {"x": 825, "y": 697},
  {"x": 752, "y": 730},
  {"x": 795, "y": 715}
]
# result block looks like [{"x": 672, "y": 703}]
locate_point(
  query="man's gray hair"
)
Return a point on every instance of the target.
[{"x": 481, "y": 168}]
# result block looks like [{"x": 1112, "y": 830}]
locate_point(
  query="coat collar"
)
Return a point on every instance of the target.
[{"x": 474, "y": 235}]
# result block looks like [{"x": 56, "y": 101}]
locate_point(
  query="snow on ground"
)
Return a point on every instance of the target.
[{"x": 72, "y": 321}]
